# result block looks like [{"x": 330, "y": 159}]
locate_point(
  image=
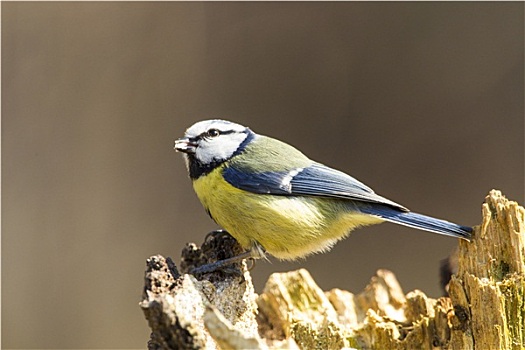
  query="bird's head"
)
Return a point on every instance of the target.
[{"x": 209, "y": 143}]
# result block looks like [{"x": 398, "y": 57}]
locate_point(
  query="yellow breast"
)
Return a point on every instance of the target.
[{"x": 288, "y": 227}]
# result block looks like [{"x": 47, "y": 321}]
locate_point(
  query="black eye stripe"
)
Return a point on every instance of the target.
[{"x": 207, "y": 134}]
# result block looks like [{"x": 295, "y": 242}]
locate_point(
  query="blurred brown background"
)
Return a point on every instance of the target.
[{"x": 424, "y": 102}]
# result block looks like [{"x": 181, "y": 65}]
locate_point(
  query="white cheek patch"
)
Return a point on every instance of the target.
[
  {"x": 287, "y": 179},
  {"x": 220, "y": 148}
]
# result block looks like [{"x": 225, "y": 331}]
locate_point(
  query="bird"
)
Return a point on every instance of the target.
[{"x": 275, "y": 200}]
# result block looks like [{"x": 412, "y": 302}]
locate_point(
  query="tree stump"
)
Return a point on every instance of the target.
[{"x": 485, "y": 309}]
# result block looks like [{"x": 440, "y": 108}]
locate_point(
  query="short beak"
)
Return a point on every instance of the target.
[{"x": 185, "y": 145}]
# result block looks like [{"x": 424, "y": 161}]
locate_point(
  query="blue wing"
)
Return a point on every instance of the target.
[
  {"x": 320, "y": 180},
  {"x": 314, "y": 180}
]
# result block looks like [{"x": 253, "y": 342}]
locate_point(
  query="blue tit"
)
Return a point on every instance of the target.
[{"x": 272, "y": 198}]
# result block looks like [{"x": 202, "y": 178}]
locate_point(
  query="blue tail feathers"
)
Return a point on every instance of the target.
[{"x": 418, "y": 221}]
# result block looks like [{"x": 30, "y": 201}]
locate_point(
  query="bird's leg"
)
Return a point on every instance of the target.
[
  {"x": 222, "y": 264},
  {"x": 256, "y": 252}
]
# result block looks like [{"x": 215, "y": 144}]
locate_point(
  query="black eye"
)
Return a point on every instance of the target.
[{"x": 213, "y": 133}]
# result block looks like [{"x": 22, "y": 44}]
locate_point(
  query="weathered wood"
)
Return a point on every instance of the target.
[
  {"x": 490, "y": 283},
  {"x": 485, "y": 310}
]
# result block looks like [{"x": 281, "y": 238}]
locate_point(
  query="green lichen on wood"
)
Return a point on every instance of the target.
[
  {"x": 492, "y": 273},
  {"x": 513, "y": 305}
]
